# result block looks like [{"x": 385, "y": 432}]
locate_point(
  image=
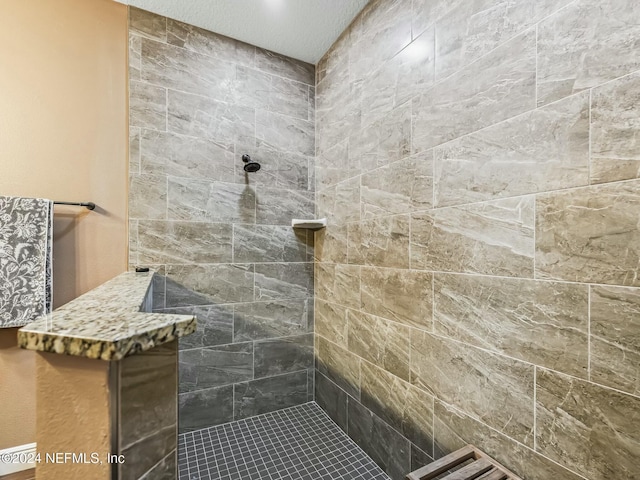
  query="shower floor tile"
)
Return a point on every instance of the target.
[{"x": 297, "y": 443}]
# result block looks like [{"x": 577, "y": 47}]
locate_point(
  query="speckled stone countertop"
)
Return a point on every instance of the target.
[{"x": 106, "y": 323}]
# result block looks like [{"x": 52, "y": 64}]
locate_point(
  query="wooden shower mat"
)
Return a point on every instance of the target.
[{"x": 483, "y": 467}]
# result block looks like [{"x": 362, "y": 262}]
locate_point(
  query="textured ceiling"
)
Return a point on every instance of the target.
[{"x": 302, "y": 29}]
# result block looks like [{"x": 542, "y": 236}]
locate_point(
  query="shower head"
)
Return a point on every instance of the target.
[{"x": 250, "y": 166}]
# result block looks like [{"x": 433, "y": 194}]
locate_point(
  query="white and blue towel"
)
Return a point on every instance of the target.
[{"x": 26, "y": 236}]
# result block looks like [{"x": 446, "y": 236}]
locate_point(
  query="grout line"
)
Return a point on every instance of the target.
[
  {"x": 537, "y": 73},
  {"x": 590, "y": 135},
  {"x": 535, "y": 409},
  {"x": 589, "y": 332}
]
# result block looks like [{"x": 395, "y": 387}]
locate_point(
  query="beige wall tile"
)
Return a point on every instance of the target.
[
  {"x": 404, "y": 296},
  {"x": 615, "y": 337},
  {"x": 615, "y": 130},
  {"x": 545, "y": 323},
  {"x": 592, "y": 430},
  {"x": 589, "y": 234},
  {"x": 379, "y": 341},
  {"x": 493, "y": 238},
  {"x": 496, "y": 389}
]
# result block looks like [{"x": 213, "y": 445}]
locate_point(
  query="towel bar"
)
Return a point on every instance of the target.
[{"x": 88, "y": 205}]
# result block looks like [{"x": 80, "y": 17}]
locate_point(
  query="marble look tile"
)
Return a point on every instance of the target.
[
  {"x": 402, "y": 406},
  {"x": 615, "y": 130},
  {"x": 284, "y": 133},
  {"x": 148, "y": 196},
  {"x": 269, "y": 243},
  {"x": 277, "y": 318},
  {"x": 496, "y": 87},
  {"x": 275, "y": 281},
  {"x": 158, "y": 286},
  {"x": 134, "y": 150},
  {"x": 251, "y": 88},
  {"x": 453, "y": 430},
  {"x": 338, "y": 283},
  {"x": 493, "y": 238},
  {"x": 165, "y": 153},
  {"x": 286, "y": 67},
  {"x": 338, "y": 113},
  {"x": 404, "y": 296},
  {"x": 383, "y": 242},
  {"x": 275, "y": 206},
  {"x": 215, "y": 325},
  {"x": 208, "y": 43},
  {"x": 150, "y": 377},
  {"x": 380, "y": 342},
  {"x": 383, "y": 139},
  {"x": 184, "y": 70},
  {"x": 590, "y": 429},
  {"x": 472, "y": 29},
  {"x": 605, "y": 170},
  {"x": 495, "y": 389},
  {"x": 397, "y": 80},
  {"x": 581, "y": 46},
  {"x": 331, "y": 322},
  {"x": 332, "y": 399},
  {"x": 291, "y": 98},
  {"x": 544, "y": 323},
  {"x": 331, "y": 244},
  {"x": 419, "y": 458},
  {"x": 426, "y": 12},
  {"x": 202, "y": 200},
  {"x": 144, "y": 455},
  {"x": 589, "y": 234},
  {"x": 135, "y": 51},
  {"x": 311, "y": 380},
  {"x": 283, "y": 355},
  {"x": 269, "y": 394},
  {"x": 338, "y": 365},
  {"x": 279, "y": 169},
  {"x": 147, "y": 24},
  {"x": 546, "y": 149},
  {"x": 615, "y": 337},
  {"x": 340, "y": 203},
  {"x": 205, "y": 408},
  {"x": 147, "y": 106},
  {"x": 133, "y": 243},
  {"x": 332, "y": 165},
  {"x": 399, "y": 187},
  {"x": 165, "y": 469},
  {"x": 382, "y": 29},
  {"x": 207, "y": 118},
  {"x": 209, "y": 284},
  {"x": 412, "y": 69},
  {"x": 203, "y": 368},
  {"x": 390, "y": 450},
  {"x": 183, "y": 242}
]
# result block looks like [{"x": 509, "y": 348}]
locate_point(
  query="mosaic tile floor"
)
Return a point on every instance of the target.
[{"x": 297, "y": 443}]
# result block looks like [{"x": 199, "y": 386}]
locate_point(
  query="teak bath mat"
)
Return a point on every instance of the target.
[{"x": 483, "y": 467}]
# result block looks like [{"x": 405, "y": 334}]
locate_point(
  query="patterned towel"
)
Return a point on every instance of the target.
[{"x": 26, "y": 236}]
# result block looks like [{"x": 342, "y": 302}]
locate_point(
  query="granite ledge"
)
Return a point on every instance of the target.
[{"x": 106, "y": 323}]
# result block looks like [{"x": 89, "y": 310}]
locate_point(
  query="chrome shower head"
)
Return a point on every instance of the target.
[{"x": 250, "y": 166}]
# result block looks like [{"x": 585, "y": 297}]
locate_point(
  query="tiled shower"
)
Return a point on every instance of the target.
[{"x": 477, "y": 281}]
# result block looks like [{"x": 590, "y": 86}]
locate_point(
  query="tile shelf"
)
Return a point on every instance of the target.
[{"x": 314, "y": 224}]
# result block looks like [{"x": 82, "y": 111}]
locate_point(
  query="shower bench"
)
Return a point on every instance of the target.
[{"x": 474, "y": 465}]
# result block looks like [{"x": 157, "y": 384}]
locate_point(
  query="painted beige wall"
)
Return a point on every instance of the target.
[
  {"x": 63, "y": 118},
  {"x": 80, "y": 386}
]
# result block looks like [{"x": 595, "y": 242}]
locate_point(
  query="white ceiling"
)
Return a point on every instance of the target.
[{"x": 302, "y": 29}]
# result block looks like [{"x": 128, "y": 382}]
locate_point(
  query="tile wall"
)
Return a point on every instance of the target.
[
  {"x": 479, "y": 166},
  {"x": 198, "y": 102}
]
